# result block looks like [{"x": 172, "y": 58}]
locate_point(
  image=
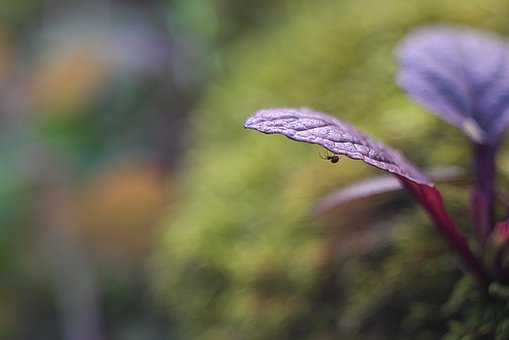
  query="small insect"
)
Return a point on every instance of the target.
[{"x": 333, "y": 158}]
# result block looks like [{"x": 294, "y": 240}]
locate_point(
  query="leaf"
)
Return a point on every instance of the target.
[
  {"x": 358, "y": 193},
  {"x": 306, "y": 125},
  {"x": 361, "y": 192},
  {"x": 461, "y": 75}
]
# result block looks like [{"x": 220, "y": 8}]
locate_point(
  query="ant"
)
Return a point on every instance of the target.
[{"x": 330, "y": 157}]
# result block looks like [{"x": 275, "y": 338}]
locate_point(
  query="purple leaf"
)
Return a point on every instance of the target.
[
  {"x": 313, "y": 127},
  {"x": 460, "y": 74},
  {"x": 305, "y": 125},
  {"x": 376, "y": 187},
  {"x": 358, "y": 192}
]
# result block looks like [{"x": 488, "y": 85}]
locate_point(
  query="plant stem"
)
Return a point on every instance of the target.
[
  {"x": 483, "y": 195},
  {"x": 431, "y": 200}
]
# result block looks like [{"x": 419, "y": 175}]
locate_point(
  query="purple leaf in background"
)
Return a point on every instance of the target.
[
  {"x": 357, "y": 192},
  {"x": 372, "y": 188},
  {"x": 313, "y": 127},
  {"x": 460, "y": 74}
]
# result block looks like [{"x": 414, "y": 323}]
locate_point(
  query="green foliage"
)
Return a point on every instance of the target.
[
  {"x": 483, "y": 316},
  {"x": 244, "y": 258}
]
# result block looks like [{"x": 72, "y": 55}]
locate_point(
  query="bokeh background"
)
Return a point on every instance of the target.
[{"x": 133, "y": 205}]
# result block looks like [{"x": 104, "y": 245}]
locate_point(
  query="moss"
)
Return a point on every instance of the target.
[{"x": 243, "y": 258}]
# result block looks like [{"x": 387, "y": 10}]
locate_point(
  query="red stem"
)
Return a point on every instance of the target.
[{"x": 431, "y": 199}]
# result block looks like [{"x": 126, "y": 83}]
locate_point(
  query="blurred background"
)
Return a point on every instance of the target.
[{"x": 133, "y": 205}]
